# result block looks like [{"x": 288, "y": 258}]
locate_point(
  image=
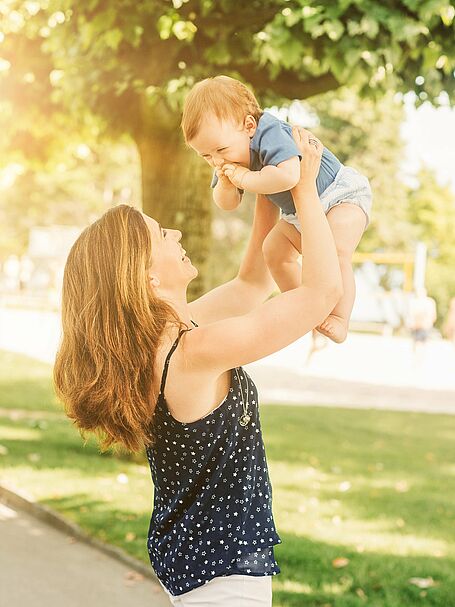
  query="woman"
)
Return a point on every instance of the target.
[{"x": 140, "y": 366}]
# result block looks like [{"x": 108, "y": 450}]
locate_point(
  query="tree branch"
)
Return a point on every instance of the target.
[{"x": 287, "y": 82}]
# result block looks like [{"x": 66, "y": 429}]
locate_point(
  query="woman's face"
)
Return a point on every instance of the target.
[{"x": 170, "y": 265}]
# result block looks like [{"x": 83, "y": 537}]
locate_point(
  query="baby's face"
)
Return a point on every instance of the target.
[{"x": 219, "y": 141}]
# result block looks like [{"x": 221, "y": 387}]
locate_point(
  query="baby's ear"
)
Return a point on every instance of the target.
[{"x": 250, "y": 124}]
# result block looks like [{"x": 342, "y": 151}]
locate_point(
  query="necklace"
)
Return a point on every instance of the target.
[{"x": 246, "y": 416}]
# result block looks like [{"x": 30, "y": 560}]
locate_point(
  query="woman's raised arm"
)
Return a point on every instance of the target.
[{"x": 253, "y": 283}]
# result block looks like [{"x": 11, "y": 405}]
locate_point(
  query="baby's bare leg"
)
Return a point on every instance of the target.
[
  {"x": 281, "y": 250},
  {"x": 347, "y": 222}
]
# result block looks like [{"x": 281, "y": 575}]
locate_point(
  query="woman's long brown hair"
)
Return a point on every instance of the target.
[{"x": 112, "y": 323}]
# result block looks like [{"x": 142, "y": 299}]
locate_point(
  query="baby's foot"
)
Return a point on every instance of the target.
[
  {"x": 335, "y": 328},
  {"x": 318, "y": 342}
]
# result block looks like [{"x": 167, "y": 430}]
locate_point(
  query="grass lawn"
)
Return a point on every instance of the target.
[{"x": 363, "y": 500}]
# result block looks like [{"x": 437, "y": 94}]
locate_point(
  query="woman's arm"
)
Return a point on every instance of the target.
[
  {"x": 275, "y": 324},
  {"x": 253, "y": 283}
]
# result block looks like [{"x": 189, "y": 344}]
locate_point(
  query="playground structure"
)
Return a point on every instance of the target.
[
  {"x": 413, "y": 264},
  {"x": 378, "y": 309},
  {"x": 405, "y": 260}
]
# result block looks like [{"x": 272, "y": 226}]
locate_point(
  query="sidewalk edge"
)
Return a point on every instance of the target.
[{"x": 18, "y": 499}]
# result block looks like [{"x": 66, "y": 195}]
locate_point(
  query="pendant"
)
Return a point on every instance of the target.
[{"x": 245, "y": 419}]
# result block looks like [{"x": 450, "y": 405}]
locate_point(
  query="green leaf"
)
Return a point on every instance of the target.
[
  {"x": 334, "y": 29},
  {"x": 184, "y": 30},
  {"x": 120, "y": 87},
  {"x": 291, "y": 17},
  {"x": 164, "y": 25},
  {"x": 430, "y": 56},
  {"x": 104, "y": 20},
  {"x": 338, "y": 67},
  {"x": 218, "y": 54},
  {"x": 354, "y": 28},
  {"x": 447, "y": 14},
  {"x": 369, "y": 26},
  {"x": 291, "y": 55},
  {"x": 312, "y": 20},
  {"x": 113, "y": 38},
  {"x": 352, "y": 56}
]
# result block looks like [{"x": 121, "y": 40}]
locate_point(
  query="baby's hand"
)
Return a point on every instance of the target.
[
  {"x": 235, "y": 173},
  {"x": 223, "y": 180}
]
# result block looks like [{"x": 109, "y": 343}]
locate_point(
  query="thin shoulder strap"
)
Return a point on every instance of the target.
[{"x": 168, "y": 359}]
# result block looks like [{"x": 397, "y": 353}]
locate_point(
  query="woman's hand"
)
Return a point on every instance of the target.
[{"x": 311, "y": 151}]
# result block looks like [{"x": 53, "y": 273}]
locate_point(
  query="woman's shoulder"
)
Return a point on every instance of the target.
[{"x": 190, "y": 390}]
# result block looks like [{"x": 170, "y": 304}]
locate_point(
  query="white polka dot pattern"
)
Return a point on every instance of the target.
[{"x": 212, "y": 511}]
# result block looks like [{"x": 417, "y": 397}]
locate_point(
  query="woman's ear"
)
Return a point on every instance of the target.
[
  {"x": 250, "y": 124},
  {"x": 154, "y": 281}
]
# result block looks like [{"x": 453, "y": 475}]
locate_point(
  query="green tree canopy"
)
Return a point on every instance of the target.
[
  {"x": 84, "y": 183},
  {"x": 432, "y": 211},
  {"x": 121, "y": 59},
  {"x": 365, "y": 134},
  {"x": 101, "y": 66}
]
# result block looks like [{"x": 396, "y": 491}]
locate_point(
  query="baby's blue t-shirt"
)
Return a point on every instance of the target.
[{"x": 273, "y": 143}]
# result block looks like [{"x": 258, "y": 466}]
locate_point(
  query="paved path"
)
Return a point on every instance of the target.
[
  {"x": 367, "y": 371},
  {"x": 283, "y": 386},
  {"x": 43, "y": 567}
]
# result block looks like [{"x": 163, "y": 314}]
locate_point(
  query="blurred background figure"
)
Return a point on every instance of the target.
[
  {"x": 422, "y": 315},
  {"x": 449, "y": 325},
  {"x": 11, "y": 271},
  {"x": 25, "y": 273}
]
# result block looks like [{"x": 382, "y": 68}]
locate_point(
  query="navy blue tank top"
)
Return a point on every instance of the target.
[{"x": 212, "y": 513}]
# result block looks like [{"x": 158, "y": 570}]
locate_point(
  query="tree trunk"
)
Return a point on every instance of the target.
[{"x": 176, "y": 192}]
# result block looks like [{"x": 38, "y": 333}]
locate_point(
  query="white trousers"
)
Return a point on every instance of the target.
[{"x": 228, "y": 591}]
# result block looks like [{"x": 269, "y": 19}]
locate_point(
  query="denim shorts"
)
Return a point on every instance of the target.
[{"x": 348, "y": 186}]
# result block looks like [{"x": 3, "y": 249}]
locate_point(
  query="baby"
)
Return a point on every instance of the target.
[{"x": 252, "y": 150}]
